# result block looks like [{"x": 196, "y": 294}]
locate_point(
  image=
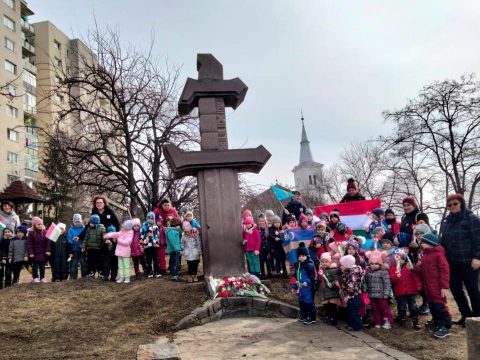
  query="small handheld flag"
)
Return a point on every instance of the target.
[
  {"x": 53, "y": 232},
  {"x": 281, "y": 194}
]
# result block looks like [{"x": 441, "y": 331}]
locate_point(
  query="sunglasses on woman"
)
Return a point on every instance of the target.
[{"x": 455, "y": 203}]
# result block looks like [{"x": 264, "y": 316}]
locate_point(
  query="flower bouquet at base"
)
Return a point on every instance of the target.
[{"x": 246, "y": 285}]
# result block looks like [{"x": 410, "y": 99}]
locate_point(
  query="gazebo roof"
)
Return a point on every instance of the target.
[{"x": 19, "y": 192}]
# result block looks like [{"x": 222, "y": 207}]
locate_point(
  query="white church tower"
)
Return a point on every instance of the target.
[{"x": 308, "y": 173}]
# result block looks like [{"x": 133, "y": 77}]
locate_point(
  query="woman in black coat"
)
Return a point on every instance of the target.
[
  {"x": 460, "y": 236},
  {"x": 109, "y": 219}
]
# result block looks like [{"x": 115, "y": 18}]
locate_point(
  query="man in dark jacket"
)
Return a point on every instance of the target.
[
  {"x": 294, "y": 207},
  {"x": 460, "y": 236}
]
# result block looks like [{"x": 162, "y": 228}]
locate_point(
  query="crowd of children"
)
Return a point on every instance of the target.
[
  {"x": 86, "y": 246},
  {"x": 352, "y": 276}
]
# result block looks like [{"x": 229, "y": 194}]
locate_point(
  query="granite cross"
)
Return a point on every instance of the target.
[{"x": 215, "y": 166}]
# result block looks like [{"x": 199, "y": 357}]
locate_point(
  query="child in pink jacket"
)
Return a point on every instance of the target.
[
  {"x": 138, "y": 256},
  {"x": 251, "y": 243},
  {"x": 123, "y": 250}
]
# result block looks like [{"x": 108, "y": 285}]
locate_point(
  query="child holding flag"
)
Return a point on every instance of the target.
[
  {"x": 350, "y": 290},
  {"x": 328, "y": 287}
]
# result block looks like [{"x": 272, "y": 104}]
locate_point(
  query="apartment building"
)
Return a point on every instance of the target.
[{"x": 35, "y": 57}]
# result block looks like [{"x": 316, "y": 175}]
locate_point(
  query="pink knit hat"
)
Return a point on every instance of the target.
[
  {"x": 348, "y": 261},
  {"x": 36, "y": 221},
  {"x": 326, "y": 256},
  {"x": 376, "y": 258},
  {"x": 246, "y": 213},
  {"x": 248, "y": 220},
  {"x": 136, "y": 222}
]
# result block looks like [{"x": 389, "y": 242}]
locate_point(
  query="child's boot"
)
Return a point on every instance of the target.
[
  {"x": 138, "y": 275},
  {"x": 403, "y": 322},
  {"x": 120, "y": 280},
  {"x": 127, "y": 280},
  {"x": 416, "y": 324}
]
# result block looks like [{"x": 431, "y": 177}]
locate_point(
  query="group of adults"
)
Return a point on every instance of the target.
[{"x": 459, "y": 235}]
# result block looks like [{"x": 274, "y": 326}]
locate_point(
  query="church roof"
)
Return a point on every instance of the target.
[{"x": 305, "y": 152}]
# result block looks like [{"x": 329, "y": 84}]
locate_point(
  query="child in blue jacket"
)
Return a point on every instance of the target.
[
  {"x": 149, "y": 236},
  {"x": 75, "y": 245},
  {"x": 303, "y": 283}
]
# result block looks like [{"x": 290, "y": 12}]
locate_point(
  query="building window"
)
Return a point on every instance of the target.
[
  {"x": 10, "y": 67},
  {"x": 310, "y": 179},
  {"x": 57, "y": 45},
  {"x": 9, "y": 23},
  {"x": 314, "y": 179},
  {"x": 60, "y": 99},
  {"x": 10, "y": 3},
  {"x": 12, "y": 89},
  {"x": 9, "y": 44},
  {"x": 57, "y": 62},
  {"x": 12, "y": 135},
  {"x": 11, "y": 111},
  {"x": 12, "y": 158},
  {"x": 12, "y": 178},
  {"x": 29, "y": 78}
]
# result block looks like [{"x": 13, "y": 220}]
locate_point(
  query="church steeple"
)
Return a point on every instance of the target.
[{"x": 305, "y": 152}]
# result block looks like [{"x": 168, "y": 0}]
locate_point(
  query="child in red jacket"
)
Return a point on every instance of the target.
[
  {"x": 406, "y": 285},
  {"x": 251, "y": 243},
  {"x": 435, "y": 274}
]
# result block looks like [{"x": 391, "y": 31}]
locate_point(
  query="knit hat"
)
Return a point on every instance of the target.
[
  {"x": 327, "y": 256},
  {"x": 94, "y": 219},
  {"x": 37, "y": 221},
  {"x": 246, "y": 213},
  {"x": 353, "y": 243},
  {"x": 351, "y": 184},
  {"x": 321, "y": 224},
  {"x": 458, "y": 197},
  {"x": 276, "y": 218},
  {"x": 400, "y": 253},
  {"x": 308, "y": 212},
  {"x": 348, "y": 261},
  {"x": 23, "y": 229},
  {"x": 6, "y": 202},
  {"x": 389, "y": 211},
  {"x": 269, "y": 213},
  {"x": 378, "y": 212},
  {"x": 302, "y": 250},
  {"x": 422, "y": 228},
  {"x": 189, "y": 212},
  {"x": 128, "y": 224},
  {"x": 77, "y": 217},
  {"x": 375, "y": 258},
  {"x": 404, "y": 238},
  {"x": 302, "y": 217},
  {"x": 186, "y": 225},
  {"x": 378, "y": 229},
  {"x": 136, "y": 222},
  {"x": 151, "y": 215},
  {"x": 62, "y": 226},
  {"x": 248, "y": 220},
  {"x": 410, "y": 200},
  {"x": 422, "y": 218},
  {"x": 341, "y": 228},
  {"x": 324, "y": 214},
  {"x": 388, "y": 238},
  {"x": 431, "y": 239},
  {"x": 335, "y": 213},
  {"x": 6, "y": 229},
  {"x": 291, "y": 217},
  {"x": 110, "y": 228}
]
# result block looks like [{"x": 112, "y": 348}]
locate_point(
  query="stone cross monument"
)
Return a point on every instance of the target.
[{"x": 215, "y": 166}]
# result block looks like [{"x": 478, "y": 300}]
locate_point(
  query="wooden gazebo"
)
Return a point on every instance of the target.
[{"x": 19, "y": 192}]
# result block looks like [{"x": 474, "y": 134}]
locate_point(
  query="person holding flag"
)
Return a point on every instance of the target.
[{"x": 294, "y": 207}]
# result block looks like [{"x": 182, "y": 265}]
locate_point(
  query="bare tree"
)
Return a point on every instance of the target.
[
  {"x": 120, "y": 109},
  {"x": 443, "y": 122}
]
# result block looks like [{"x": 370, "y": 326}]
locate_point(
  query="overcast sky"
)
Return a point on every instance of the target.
[{"x": 341, "y": 62}]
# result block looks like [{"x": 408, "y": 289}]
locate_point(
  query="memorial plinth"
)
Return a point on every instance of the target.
[{"x": 215, "y": 166}]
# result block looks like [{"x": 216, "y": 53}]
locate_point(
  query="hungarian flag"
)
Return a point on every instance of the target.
[
  {"x": 354, "y": 213},
  {"x": 291, "y": 238}
]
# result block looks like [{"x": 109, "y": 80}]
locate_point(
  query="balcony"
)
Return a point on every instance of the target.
[
  {"x": 27, "y": 65},
  {"x": 28, "y": 49},
  {"x": 31, "y": 141},
  {"x": 27, "y": 27},
  {"x": 30, "y": 109},
  {"x": 32, "y": 174}
]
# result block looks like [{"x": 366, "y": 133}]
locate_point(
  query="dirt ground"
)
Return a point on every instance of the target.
[
  {"x": 420, "y": 344},
  {"x": 89, "y": 319}
]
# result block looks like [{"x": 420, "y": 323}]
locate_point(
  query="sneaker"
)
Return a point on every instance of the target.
[
  {"x": 158, "y": 275},
  {"x": 36, "y": 281},
  {"x": 150, "y": 276},
  {"x": 308, "y": 322},
  {"x": 43, "y": 280},
  {"x": 430, "y": 326},
  {"x": 301, "y": 319},
  {"x": 119, "y": 281},
  {"x": 378, "y": 326},
  {"x": 91, "y": 275},
  {"x": 441, "y": 332},
  {"x": 424, "y": 309},
  {"x": 387, "y": 325},
  {"x": 126, "y": 281},
  {"x": 175, "y": 278}
]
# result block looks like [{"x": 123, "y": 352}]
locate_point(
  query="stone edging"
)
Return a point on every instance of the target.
[{"x": 225, "y": 308}]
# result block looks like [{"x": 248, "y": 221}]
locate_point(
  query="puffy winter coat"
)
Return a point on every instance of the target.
[
  {"x": 191, "y": 246},
  {"x": 393, "y": 226},
  {"x": 163, "y": 215},
  {"x": 294, "y": 207},
  {"x": 378, "y": 283},
  {"x": 173, "y": 239},
  {"x": 275, "y": 233},
  {"x": 74, "y": 232},
  {"x": 124, "y": 242},
  {"x": 305, "y": 273},
  {"x": 93, "y": 237},
  {"x": 38, "y": 245},
  {"x": 408, "y": 283},
  {"x": 4, "y": 246},
  {"x": 136, "y": 248},
  {"x": 253, "y": 239},
  {"x": 18, "y": 249},
  {"x": 351, "y": 282},
  {"x": 435, "y": 273},
  {"x": 333, "y": 276},
  {"x": 150, "y": 232},
  {"x": 10, "y": 220},
  {"x": 264, "y": 245},
  {"x": 410, "y": 220},
  {"x": 461, "y": 237}
]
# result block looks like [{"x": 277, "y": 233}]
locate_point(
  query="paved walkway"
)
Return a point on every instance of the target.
[{"x": 263, "y": 338}]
